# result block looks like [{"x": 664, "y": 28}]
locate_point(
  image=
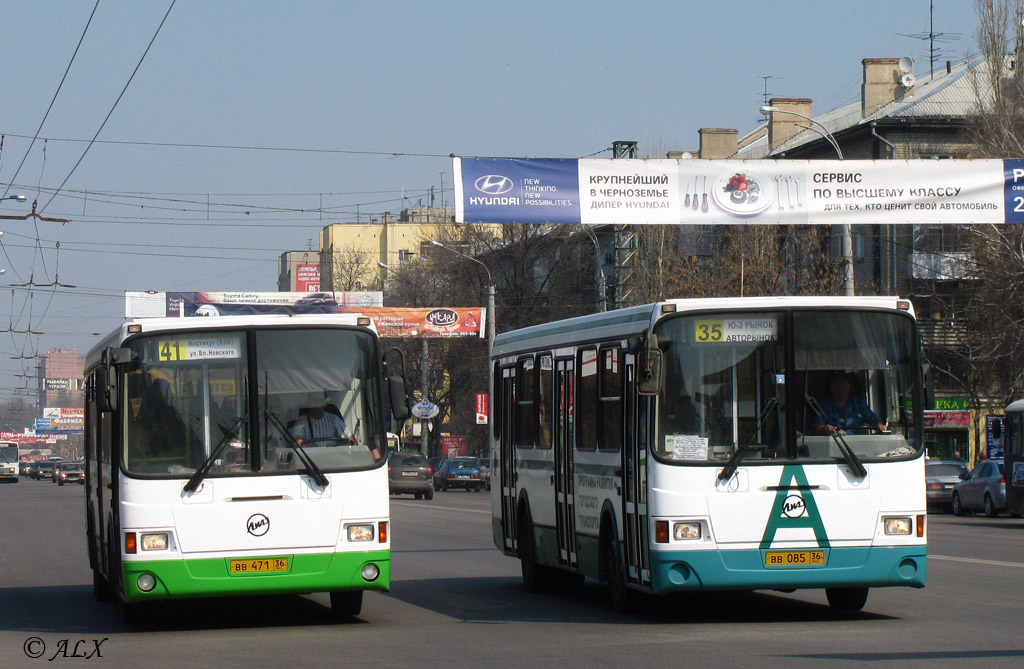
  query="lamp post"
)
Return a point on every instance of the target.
[
  {"x": 490, "y": 292},
  {"x": 846, "y": 235}
]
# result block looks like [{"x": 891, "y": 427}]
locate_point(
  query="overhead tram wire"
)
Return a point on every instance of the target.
[
  {"x": 53, "y": 100},
  {"x": 112, "y": 108}
]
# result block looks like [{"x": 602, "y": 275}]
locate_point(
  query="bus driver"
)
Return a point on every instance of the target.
[{"x": 842, "y": 412}]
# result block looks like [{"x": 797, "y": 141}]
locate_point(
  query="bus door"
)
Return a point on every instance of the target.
[
  {"x": 507, "y": 450},
  {"x": 564, "y": 476},
  {"x": 634, "y": 485}
]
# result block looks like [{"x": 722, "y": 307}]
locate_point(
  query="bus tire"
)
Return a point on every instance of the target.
[
  {"x": 347, "y": 603},
  {"x": 847, "y": 599},
  {"x": 535, "y": 577},
  {"x": 132, "y": 613},
  {"x": 100, "y": 590},
  {"x": 957, "y": 506},
  {"x": 623, "y": 599}
]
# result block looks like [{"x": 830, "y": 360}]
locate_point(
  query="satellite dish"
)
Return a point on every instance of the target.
[
  {"x": 906, "y": 65},
  {"x": 907, "y": 80}
]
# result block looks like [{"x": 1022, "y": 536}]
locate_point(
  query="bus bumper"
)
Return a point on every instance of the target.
[
  {"x": 209, "y": 577},
  {"x": 857, "y": 567}
]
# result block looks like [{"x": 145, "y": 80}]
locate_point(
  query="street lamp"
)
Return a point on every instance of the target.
[
  {"x": 490, "y": 291},
  {"x": 845, "y": 230},
  {"x": 19, "y": 198}
]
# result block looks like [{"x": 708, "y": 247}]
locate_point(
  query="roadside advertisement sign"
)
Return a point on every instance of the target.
[
  {"x": 707, "y": 192},
  {"x": 994, "y": 424},
  {"x": 481, "y": 408},
  {"x": 307, "y": 278},
  {"x": 454, "y": 446}
]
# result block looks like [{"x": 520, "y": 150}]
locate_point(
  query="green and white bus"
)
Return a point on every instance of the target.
[
  {"x": 196, "y": 482},
  {"x": 690, "y": 445}
]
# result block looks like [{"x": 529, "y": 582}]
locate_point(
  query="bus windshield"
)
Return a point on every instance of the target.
[
  {"x": 8, "y": 453},
  {"x": 190, "y": 402},
  {"x": 758, "y": 387}
]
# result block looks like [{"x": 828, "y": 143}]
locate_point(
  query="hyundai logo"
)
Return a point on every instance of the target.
[{"x": 493, "y": 184}]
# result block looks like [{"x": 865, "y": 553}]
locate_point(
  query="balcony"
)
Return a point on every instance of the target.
[{"x": 948, "y": 266}]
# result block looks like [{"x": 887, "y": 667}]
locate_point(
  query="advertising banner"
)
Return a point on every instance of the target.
[
  {"x": 391, "y": 322},
  {"x": 481, "y": 408},
  {"x": 307, "y": 278},
  {"x": 453, "y": 446},
  {"x": 994, "y": 424},
  {"x": 704, "y": 192}
]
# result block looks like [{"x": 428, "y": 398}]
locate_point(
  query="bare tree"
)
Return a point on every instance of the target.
[{"x": 351, "y": 269}]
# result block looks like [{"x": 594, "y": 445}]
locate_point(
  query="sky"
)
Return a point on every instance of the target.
[{"x": 232, "y": 131}]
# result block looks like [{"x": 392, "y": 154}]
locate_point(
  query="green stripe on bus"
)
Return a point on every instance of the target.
[{"x": 207, "y": 577}]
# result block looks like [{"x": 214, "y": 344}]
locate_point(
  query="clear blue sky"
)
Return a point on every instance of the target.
[{"x": 350, "y": 106}]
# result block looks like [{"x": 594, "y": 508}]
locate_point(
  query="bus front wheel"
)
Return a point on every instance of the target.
[
  {"x": 847, "y": 599},
  {"x": 535, "y": 577},
  {"x": 622, "y": 598}
]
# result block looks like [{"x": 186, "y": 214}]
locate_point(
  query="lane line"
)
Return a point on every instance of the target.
[
  {"x": 993, "y": 563},
  {"x": 443, "y": 508}
]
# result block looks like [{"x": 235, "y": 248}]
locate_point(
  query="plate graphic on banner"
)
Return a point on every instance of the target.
[{"x": 743, "y": 193}]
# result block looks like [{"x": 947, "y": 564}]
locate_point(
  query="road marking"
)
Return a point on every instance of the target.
[
  {"x": 994, "y": 563},
  {"x": 443, "y": 508}
]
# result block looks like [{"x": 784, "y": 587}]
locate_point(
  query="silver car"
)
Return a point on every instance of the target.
[
  {"x": 984, "y": 489},
  {"x": 940, "y": 476}
]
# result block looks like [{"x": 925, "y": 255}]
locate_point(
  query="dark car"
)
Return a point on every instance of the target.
[
  {"x": 984, "y": 489},
  {"x": 939, "y": 478},
  {"x": 44, "y": 470},
  {"x": 70, "y": 472},
  {"x": 410, "y": 473},
  {"x": 27, "y": 467},
  {"x": 459, "y": 473}
]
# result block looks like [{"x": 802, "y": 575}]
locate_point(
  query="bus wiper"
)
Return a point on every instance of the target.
[
  {"x": 851, "y": 458},
  {"x": 734, "y": 461},
  {"x": 315, "y": 472},
  {"x": 218, "y": 450}
]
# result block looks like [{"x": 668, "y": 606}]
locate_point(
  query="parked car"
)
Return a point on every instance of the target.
[
  {"x": 983, "y": 489},
  {"x": 485, "y": 471},
  {"x": 939, "y": 477},
  {"x": 410, "y": 473},
  {"x": 459, "y": 473},
  {"x": 43, "y": 470}
]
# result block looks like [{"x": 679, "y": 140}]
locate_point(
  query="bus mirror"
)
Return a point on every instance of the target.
[
  {"x": 106, "y": 389},
  {"x": 649, "y": 371},
  {"x": 117, "y": 356},
  {"x": 929, "y": 386},
  {"x": 399, "y": 400}
]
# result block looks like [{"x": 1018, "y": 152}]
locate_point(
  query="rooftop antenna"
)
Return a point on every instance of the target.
[{"x": 933, "y": 38}]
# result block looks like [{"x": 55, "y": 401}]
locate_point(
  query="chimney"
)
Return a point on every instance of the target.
[
  {"x": 718, "y": 143},
  {"x": 782, "y": 127},
  {"x": 881, "y": 84}
]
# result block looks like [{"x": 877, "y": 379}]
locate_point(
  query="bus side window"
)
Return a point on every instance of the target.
[{"x": 586, "y": 399}]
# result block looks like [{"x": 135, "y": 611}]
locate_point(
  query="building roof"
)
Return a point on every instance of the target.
[{"x": 952, "y": 94}]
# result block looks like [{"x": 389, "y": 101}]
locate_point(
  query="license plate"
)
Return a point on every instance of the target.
[
  {"x": 258, "y": 566},
  {"x": 794, "y": 558},
  {"x": 463, "y": 477},
  {"x": 409, "y": 474}
]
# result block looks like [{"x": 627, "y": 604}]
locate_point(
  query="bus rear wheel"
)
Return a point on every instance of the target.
[
  {"x": 847, "y": 599},
  {"x": 347, "y": 604},
  {"x": 535, "y": 577}
]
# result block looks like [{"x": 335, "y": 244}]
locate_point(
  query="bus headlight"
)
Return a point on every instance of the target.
[
  {"x": 686, "y": 531},
  {"x": 360, "y": 532},
  {"x": 901, "y": 525},
  {"x": 153, "y": 542}
]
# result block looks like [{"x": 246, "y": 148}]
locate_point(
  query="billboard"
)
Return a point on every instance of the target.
[
  {"x": 391, "y": 322},
  {"x": 705, "y": 192},
  {"x": 307, "y": 278}
]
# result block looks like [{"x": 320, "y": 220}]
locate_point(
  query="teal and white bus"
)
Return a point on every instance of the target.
[
  {"x": 693, "y": 445},
  {"x": 197, "y": 484},
  {"x": 1013, "y": 457}
]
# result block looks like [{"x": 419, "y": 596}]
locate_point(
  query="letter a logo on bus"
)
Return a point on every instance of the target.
[{"x": 794, "y": 507}]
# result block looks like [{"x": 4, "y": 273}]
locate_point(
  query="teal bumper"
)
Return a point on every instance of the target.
[{"x": 871, "y": 567}]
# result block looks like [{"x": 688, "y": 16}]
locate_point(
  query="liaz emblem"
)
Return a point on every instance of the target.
[{"x": 794, "y": 507}]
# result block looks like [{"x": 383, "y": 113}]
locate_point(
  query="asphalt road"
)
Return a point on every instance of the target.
[{"x": 456, "y": 601}]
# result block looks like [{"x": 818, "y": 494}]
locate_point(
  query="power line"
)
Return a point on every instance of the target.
[{"x": 112, "y": 108}]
